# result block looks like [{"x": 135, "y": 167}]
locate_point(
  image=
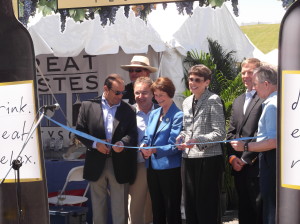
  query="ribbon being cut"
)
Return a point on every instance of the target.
[{"x": 84, "y": 135}]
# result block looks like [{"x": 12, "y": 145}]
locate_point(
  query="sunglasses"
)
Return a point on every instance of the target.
[
  {"x": 135, "y": 70},
  {"x": 197, "y": 80},
  {"x": 117, "y": 93}
]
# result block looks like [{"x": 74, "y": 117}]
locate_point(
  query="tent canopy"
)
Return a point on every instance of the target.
[{"x": 132, "y": 34}]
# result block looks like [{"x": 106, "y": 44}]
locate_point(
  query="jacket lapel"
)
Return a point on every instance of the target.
[
  {"x": 250, "y": 107},
  {"x": 200, "y": 102},
  {"x": 166, "y": 120},
  {"x": 100, "y": 122}
]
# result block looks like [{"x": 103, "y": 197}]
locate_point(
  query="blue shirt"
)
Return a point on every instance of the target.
[
  {"x": 108, "y": 117},
  {"x": 141, "y": 121},
  {"x": 267, "y": 122}
]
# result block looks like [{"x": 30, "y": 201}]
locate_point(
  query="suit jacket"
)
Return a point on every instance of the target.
[
  {"x": 90, "y": 121},
  {"x": 167, "y": 155},
  {"x": 244, "y": 126}
]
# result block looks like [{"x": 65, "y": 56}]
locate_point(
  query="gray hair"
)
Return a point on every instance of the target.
[{"x": 266, "y": 72}]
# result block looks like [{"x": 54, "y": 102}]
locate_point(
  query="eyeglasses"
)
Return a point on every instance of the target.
[
  {"x": 135, "y": 70},
  {"x": 117, "y": 93},
  {"x": 197, "y": 80}
]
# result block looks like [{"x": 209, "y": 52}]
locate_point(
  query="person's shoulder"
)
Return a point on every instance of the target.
[
  {"x": 127, "y": 106},
  {"x": 90, "y": 102},
  {"x": 213, "y": 96},
  {"x": 129, "y": 86},
  {"x": 178, "y": 113},
  {"x": 240, "y": 96},
  {"x": 176, "y": 108},
  {"x": 187, "y": 100}
]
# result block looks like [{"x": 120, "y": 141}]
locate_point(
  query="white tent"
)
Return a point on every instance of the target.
[
  {"x": 217, "y": 24},
  {"x": 272, "y": 57}
]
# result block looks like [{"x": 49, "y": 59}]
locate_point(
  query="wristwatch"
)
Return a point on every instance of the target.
[{"x": 246, "y": 149}]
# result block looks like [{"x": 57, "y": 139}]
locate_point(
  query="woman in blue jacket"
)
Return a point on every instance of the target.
[{"x": 163, "y": 160}]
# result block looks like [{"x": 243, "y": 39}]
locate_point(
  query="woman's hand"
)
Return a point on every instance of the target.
[
  {"x": 147, "y": 152},
  {"x": 190, "y": 143},
  {"x": 180, "y": 142}
]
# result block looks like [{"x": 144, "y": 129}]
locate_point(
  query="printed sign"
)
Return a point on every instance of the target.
[
  {"x": 17, "y": 117},
  {"x": 290, "y": 129}
]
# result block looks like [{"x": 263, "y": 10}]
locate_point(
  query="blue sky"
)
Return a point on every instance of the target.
[{"x": 259, "y": 11}]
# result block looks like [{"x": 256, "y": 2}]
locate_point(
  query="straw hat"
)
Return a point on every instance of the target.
[{"x": 139, "y": 61}]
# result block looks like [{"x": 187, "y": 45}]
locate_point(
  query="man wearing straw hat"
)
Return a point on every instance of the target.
[{"x": 139, "y": 67}]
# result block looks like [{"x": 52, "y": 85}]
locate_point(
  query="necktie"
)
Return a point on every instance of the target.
[{"x": 247, "y": 101}]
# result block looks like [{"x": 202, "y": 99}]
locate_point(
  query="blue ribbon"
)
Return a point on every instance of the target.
[{"x": 84, "y": 135}]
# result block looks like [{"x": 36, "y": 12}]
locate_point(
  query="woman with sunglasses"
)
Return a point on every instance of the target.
[
  {"x": 163, "y": 159},
  {"x": 203, "y": 122}
]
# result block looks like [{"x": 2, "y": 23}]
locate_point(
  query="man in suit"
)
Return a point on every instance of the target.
[
  {"x": 110, "y": 119},
  {"x": 246, "y": 111},
  {"x": 265, "y": 83},
  {"x": 139, "y": 67}
]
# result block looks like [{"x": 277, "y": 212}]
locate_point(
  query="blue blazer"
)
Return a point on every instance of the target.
[{"x": 167, "y": 156}]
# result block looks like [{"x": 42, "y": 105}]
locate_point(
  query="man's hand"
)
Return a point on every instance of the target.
[
  {"x": 118, "y": 146},
  {"x": 102, "y": 147},
  {"x": 237, "y": 164},
  {"x": 238, "y": 145}
]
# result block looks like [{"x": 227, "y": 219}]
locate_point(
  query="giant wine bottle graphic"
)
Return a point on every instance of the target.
[
  {"x": 18, "y": 104},
  {"x": 288, "y": 193}
]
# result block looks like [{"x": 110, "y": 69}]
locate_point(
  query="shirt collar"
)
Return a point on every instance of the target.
[
  {"x": 139, "y": 111},
  {"x": 273, "y": 94},
  {"x": 252, "y": 92}
]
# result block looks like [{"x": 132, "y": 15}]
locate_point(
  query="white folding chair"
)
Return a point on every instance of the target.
[{"x": 75, "y": 174}]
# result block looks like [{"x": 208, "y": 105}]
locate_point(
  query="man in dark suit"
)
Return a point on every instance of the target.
[
  {"x": 110, "y": 119},
  {"x": 246, "y": 111}
]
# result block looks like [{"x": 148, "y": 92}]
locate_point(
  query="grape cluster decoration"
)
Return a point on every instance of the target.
[
  {"x": 287, "y": 3},
  {"x": 107, "y": 14}
]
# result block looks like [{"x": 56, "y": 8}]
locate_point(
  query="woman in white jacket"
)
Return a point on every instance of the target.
[{"x": 203, "y": 164}]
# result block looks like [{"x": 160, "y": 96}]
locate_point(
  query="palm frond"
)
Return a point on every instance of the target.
[{"x": 224, "y": 61}]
